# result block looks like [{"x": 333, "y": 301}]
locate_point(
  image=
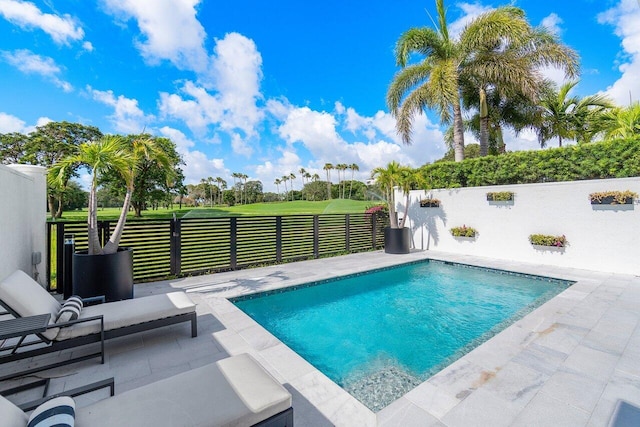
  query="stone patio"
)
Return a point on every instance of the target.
[{"x": 566, "y": 363}]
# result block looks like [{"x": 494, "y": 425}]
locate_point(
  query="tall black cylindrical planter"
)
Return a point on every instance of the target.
[
  {"x": 397, "y": 240},
  {"x": 110, "y": 275}
]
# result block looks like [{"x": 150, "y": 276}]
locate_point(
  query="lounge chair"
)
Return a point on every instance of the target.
[
  {"x": 235, "y": 391},
  {"x": 22, "y": 297}
]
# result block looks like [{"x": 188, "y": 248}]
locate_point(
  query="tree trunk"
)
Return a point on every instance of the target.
[
  {"x": 60, "y": 200},
  {"x": 484, "y": 124},
  {"x": 559, "y": 141},
  {"x": 52, "y": 206},
  {"x": 114, "y": 241},
  {"x": 94, "y": 247},
  {"x": 458, "y": 133}
]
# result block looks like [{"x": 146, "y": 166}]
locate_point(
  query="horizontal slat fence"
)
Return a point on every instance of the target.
[{"x": 176, "y": 247}]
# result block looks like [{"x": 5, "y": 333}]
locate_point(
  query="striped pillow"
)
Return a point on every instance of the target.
[
  {"x": 70, "y": 310},
  {"x": 59, "y": 412}
]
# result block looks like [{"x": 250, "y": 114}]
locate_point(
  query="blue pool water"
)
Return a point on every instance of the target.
[{"x": 380, "y": 334}]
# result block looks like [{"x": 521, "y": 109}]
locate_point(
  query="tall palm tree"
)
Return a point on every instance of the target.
[
  {"x": 353, "y": 167},
  {"x": 210, "y": 181},
  {"x": 277, "y": 182},
  {"x": 563, "y": 116},
  {"x": 244, "y": 178},
  {"x": 341, "y": 167},
  {"x": 436, "y": 81},
  {"x": 285, "y": 178},
  {"x": 510, "y": 65},
  {"x": 291, "y": 178},
  {"x": 315, "y": 177},
  {"x": 327, "y": 167}
]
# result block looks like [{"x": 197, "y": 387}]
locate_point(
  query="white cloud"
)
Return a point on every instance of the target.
[
  {"x": 127, "y": 116},
  {"x": 552, "y": 23},
  {"x": 9, "y": 123},
  {"x": 197, "y": 165},
  {"x": 27, "y": 16},
  {"x": 228, "y": 98},
  {"x": 87, "y": 46},
  {"x": 169, "y": 28},
  {"x": 30, "y": 63},
  {"x": 470, "y": 12},
  {"x": 625, "y": 18}
]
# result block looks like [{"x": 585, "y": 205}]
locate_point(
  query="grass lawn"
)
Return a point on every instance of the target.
[{"x": 299, "y": 207}]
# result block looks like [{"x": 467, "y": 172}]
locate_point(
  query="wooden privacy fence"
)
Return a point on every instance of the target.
[{"x": 175, "y": 247}]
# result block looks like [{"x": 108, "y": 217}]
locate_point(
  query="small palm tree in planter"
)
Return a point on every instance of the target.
[
  {"x": 397, "y": 237},
  {"x": 107, "y": 270}
]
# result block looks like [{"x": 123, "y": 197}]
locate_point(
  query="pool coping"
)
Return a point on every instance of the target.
[{"x": 519, "y": 373}]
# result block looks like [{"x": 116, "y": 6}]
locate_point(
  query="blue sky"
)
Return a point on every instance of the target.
[{"x": 265, "y": 88}]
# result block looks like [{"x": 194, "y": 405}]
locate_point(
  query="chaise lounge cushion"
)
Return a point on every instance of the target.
[
  {"x": 28, "y": 298},
  {"x": 129, "y": 312},
  {"x": 235, "y": 391}
]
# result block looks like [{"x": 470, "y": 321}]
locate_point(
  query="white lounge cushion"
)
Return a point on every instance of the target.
[
  {"x": 11, "y": 415},
  {"x": 129, "y": 312},
  {"x": 235, "y": 391},
  {"x": 28, "y": 298}
]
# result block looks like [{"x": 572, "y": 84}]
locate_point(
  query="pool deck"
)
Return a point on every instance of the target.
[{"x": 566, "y": 363}]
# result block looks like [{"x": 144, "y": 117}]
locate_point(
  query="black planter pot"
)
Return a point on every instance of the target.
[
  {"x": 397, "y": 240},
  {"x": 110, "y": 275}
]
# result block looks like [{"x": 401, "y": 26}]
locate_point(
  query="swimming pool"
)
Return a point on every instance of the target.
[{"x": 380, "y": 334}]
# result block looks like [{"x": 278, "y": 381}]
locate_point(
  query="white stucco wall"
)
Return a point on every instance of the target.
[
  {"x": 604, "y": 238},
  {"x": 23, "y": 215}
]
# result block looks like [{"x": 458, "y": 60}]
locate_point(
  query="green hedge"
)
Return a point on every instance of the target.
[{"x": 608, "y": 159}]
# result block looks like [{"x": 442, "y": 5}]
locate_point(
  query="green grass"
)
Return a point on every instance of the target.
[{"x": 337, "y": 206}]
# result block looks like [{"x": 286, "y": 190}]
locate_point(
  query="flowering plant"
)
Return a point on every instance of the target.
[{"x": 546, "y": 240}]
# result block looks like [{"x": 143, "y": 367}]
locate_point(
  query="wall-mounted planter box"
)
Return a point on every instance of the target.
[
  {"x": 612, "y": 198},
  {"x": 500, "y": 196},
  {"x": 464, "y": 231},
  {"x": 545, "y": 241},
  {"x": 429, "y": 203}
]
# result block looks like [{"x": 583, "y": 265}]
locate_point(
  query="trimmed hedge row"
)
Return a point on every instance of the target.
[{"x": 608, "y": 159}]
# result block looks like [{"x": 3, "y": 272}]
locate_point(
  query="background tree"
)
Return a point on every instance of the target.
[
  {"x": 277, "y": 183},
  {"x": 13, "y": 148},
  {"x": 253, "y": 191},
  {"x": 353, "y": 167},
  {"x": 315, "y": 190},
  {"x": 52, "y": 142},
  {"x": 75, "y": 197}
]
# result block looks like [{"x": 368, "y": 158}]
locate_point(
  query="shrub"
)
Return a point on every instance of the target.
[
  {"x": 547, "y": 240},
  {"x": 434, "y": 203},
  {"x": 608, "y": 159},
  {"x": 463, "y": 231}
]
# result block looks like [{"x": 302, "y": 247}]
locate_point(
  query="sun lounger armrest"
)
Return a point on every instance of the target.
[
  {"x": 100, "y": 299},
  {"x": 73, "y": 322},
  {"x": 78, "y": 391}
]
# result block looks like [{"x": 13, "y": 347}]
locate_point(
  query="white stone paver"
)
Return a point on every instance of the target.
[{"x": 566, "y": 363}]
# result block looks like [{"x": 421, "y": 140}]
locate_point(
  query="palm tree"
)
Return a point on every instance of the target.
[
  {"x": 436, "y": 81},
  {"x": 291, "y": 178},
  {"x": 109, "y": 153},
  {"x": 315, "y": 177},
  {"x": 509, "y": 65},
  {"x": 244, "y": 178},
  {"x": 354, "y": 167},
  {"x": 285, "y": 178},
  {"x": 403, "y": 177},
  {"x": 621, "y": 122},
  {"x": 210, "y": 181},
  {"x": 277, "y": 182},
  {"x": 327, "y": 167},
  {"x": 341, "y": 167},
  {"x": 567, "y": 117}
]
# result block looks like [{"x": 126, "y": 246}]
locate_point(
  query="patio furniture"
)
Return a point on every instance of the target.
[
  {"x": 23, "y": 297},
  {"x": 234, "y": 391}
]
